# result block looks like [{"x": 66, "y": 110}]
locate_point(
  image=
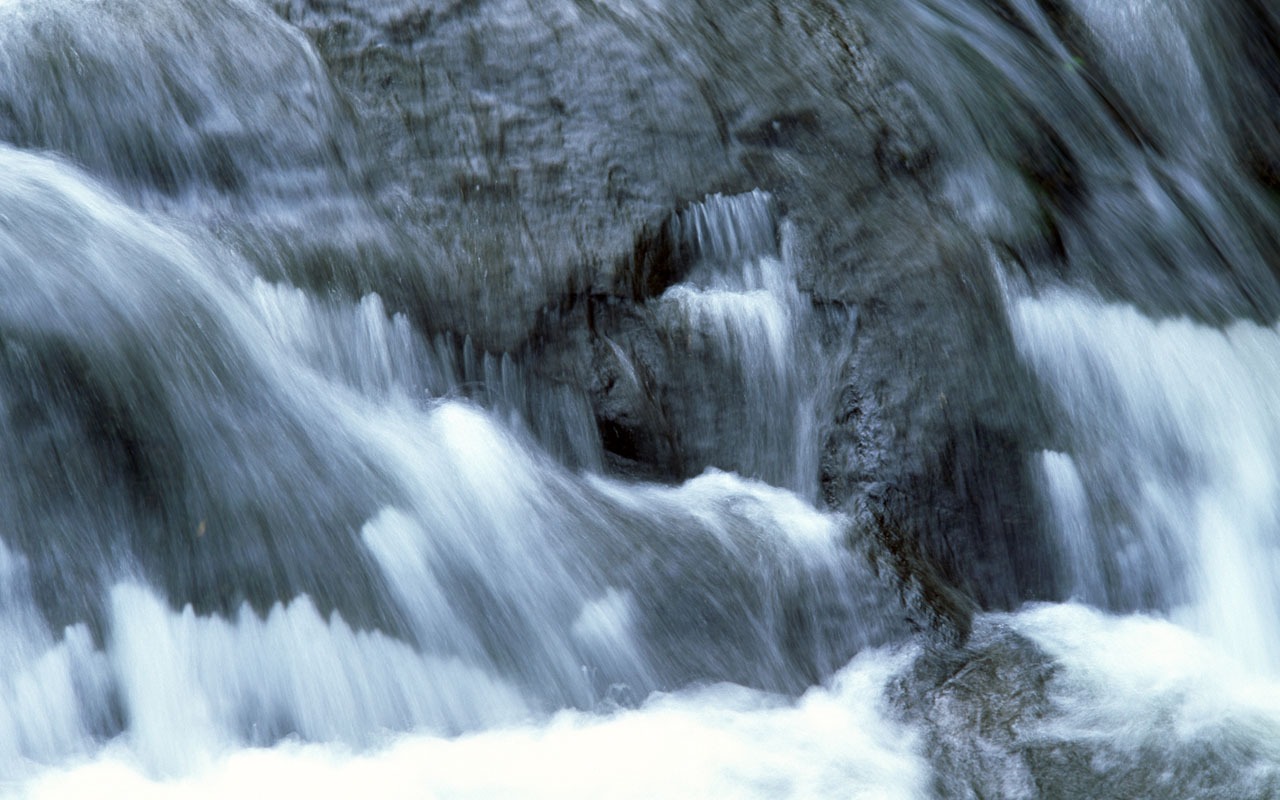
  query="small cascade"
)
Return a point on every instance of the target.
[
  {"x": 551, "y": 592},
  {"x": 739, "y": 311},
  {"x": 1169, "y": 494},
  {"x": 52, "y": 698},
  {"x": 1104, "y": 149},
  {"x": 730, "y": 230}
]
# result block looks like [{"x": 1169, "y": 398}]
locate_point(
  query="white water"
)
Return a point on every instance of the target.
[
  {"x": 720, "y": 741},
  {"x": 525, "y": 587},
  {"x": 520, "y": 587},
  {"x": 598, "y": 594},
  {"x": 1143, "y": 695},
  {"x": 1152, "y": 679},
  {"x": 379, "y": 355},
  {"x": 517, "y": 587},
  {"x": 1160, "y": 711},
  {"x": 1171, "y": 488},
  {"x": 740, "y": 313}
]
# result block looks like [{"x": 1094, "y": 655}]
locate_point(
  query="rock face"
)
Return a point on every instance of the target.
[{"x": 535, "y": 157}]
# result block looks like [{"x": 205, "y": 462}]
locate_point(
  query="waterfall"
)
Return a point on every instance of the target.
[
  {"x": 1170, "y": 493},
  {"x": 740, "y": 310},
  {"x": 500, "y": 399},
  {"x": 1143, "y": 299}
]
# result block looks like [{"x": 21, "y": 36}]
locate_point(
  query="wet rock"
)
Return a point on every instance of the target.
[
  {"x": 1002, "y": 718},
  {"x": 975, "y": 703},
  {"x": 530, "y": 146}
]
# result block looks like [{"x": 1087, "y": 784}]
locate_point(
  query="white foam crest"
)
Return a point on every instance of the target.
[
  {"x": 1175, "y": 439},
  {"x": 607, "y": 629},
  {"x": 456, "y": 564},
  {"x": 455, "y": 453},
  {"x": 793, "y": 556},
  {"x": 723, "y": 741},
  {"x": 1144, "y": 685},
  {"x": 742, "y": 324},
  {"x": 51, "y": 692},
  {"x": 190, "y": 684},
  {"x": 402, "y": 548},
  {"x": 717, "y": 498}
]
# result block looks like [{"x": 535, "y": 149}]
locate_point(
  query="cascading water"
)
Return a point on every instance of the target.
[
  {"x": 268, "y": 521},
  {"x": 740, "y": 309},
  {"x": 1108, "y": 151},
  {"x": 1161, "y": 481},
  {"x": 552, "y": 590},
  {"x": 1184, "y": 516}
]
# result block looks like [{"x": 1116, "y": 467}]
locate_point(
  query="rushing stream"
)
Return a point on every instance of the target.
[
  {"x": 1154, "y": 331},
  {"x": 285, "y": 509}
]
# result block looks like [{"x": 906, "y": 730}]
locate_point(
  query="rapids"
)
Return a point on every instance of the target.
[{"x": 639, "y": 399}]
